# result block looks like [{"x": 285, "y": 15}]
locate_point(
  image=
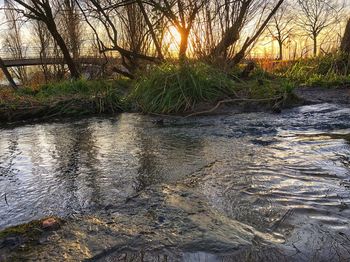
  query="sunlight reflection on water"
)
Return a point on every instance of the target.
[{"x": 256, "y": 168}]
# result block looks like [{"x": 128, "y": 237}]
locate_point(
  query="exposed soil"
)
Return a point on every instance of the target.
[{"x": 316, "y": 95}]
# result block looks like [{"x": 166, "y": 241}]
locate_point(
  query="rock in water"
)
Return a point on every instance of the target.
[{"x": 51, "y": 224}]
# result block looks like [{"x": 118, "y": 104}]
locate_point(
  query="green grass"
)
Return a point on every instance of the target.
[
  {"x": 165, "y": 89},
  {"x": 325, "y": 71},
  {"x": 180, "y": 88},
  {"x": 105, "y": 96},
  {"x": 67, "y": 98}
]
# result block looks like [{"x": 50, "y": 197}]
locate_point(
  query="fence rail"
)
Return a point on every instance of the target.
[
  {"x": 55, "y": 61},
  {"x": 31, "y": 56}
]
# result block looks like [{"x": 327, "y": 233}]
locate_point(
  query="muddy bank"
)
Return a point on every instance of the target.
[
  {"x": 316, "y": 95},
  {"x": 78, "y": 108},
  {"x": 60, "y": 109},
  {"x": 85, "y": 108}
]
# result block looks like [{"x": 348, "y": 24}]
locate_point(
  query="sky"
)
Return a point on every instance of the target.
[{"x": 260, "y": 50}]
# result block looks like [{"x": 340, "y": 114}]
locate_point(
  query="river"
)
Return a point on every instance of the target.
[{"x": 240, "y": 187}]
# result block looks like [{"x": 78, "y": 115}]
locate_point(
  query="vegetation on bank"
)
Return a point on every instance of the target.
[
  {"x": 24, "y": 237},
  {"x": 67, "y": 98},
  {"x": 331, "y": 70},
  {"x": 173, "y": 89},
  {"x": 139, "y": 33},
  {"x": 164, "y": 89},
  {"x": 177, "y": 88}
]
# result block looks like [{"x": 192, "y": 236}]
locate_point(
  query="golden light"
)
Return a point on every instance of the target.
[{"x": 172, "y": 39}]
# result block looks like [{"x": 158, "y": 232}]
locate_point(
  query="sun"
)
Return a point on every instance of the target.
[{"x": 172, "y": 39}]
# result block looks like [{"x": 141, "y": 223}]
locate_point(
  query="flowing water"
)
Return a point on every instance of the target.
[{"x": 255, "y": 186}]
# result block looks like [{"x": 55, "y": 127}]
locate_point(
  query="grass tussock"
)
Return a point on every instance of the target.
[{"x": 180, "y": 88}]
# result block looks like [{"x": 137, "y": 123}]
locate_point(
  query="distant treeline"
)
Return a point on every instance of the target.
[{"x": 141, "y": 32}]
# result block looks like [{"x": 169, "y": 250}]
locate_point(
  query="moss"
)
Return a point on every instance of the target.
[
  {"x": 17, "y": 241},
  {"x": 30, "y": 231}
]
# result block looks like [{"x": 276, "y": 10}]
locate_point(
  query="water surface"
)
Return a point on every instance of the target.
[{"x": 284, "y": 179}]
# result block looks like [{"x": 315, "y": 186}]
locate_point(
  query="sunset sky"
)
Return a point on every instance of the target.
[{"x": 265, "y": 46}]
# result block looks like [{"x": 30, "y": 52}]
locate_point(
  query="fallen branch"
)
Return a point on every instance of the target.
[{"x": 231, "y": 101}]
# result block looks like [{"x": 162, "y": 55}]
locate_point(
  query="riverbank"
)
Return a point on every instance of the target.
[
  {"x": 168, "y": 89},
  {"x": 65, "y": 99},
  {"x": 317, "y": 95},
  {"x": 29, "y": 108},
  {"x": 189, "y": 89},
  {"x": 110, "y": 98}
]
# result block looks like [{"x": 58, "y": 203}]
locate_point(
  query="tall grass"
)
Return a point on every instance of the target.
[
  {"x": 178, "y": 88},
  {"x": 72, "y": 97},
  {"x": 326, "y": 71}
]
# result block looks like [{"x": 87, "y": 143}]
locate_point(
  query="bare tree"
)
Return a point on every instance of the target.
[
  {"x": 250, "y": 41},
  {"x": 41, "y": 10},
  {"x": 7, "y": 75},
  {"x": 47, "y": 48},
  {"x": 106, "y": 18},
  {"x": 133, "y": 28},
  {"x": 243, "y": 12},
  {"x": 316, "y": 16},
  {"x": 151, "y": 27},
  {"x": 281, "y": 27},
  {"x": 231, "y": 33},
  {"x": 13, "y": 42},
  {"x": 71, "y": 27},
  {"x": 182, "y": 15},
  {"x": 203, "y": 33}
]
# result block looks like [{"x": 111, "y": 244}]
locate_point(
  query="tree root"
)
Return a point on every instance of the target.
[{"x": 231, "y": 101}]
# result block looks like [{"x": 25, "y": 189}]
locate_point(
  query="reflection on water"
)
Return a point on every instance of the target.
[
  {"x": 68, "y": 168},
  {"x": 286, "y": 175}
]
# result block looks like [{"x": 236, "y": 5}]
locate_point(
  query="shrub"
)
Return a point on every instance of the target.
[{"x": 179, "y": 88}]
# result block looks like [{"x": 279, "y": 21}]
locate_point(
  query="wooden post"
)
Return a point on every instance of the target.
[{"x": 8, "y": 75}]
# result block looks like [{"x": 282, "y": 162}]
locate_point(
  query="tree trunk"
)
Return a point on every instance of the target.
[
  {"x": 250, "y": 41},
  {"x": 230, "y": 37},
  {"x": 281, "y": 50},
  {"x": 151, "y": 29},
  {"x": 183, "y": 45},
  {"x": 345, "y": 44},
  {"x": 64, "y": 49},
  {"x": 315, "y": 44},
  {"x": 8, "y": 75},
  {"x": 238, "y": 57}
]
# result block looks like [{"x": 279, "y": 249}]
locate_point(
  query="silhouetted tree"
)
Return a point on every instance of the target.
[
  {"x": 281, "y": 27},
  {"x": 182, "y": 15},
  {"x": 316, "y": 16},
  {"x": 41, "y": 10},
  {"x": 243, "y": 11}
]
